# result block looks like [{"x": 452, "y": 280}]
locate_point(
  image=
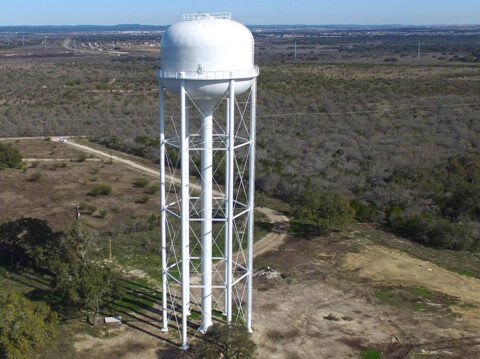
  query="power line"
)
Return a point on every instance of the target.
[
  {"x": 373, "y": 111},
  {"x": 400, "y": 108}
]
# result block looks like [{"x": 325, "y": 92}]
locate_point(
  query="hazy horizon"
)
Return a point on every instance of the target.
[
  {"x": 269, "y": 12},
  {"x": 270, "y": 25}
]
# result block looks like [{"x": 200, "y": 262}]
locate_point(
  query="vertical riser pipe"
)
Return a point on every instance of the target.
[{"x": 206, "y": 235}]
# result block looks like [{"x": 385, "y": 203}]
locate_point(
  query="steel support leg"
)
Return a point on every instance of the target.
[
  {"x": 163, "y": 222},
  {"x": 229, "y": 189},
  {"x": 185, "y": 213},
  {"x": 251, "y": 202}
]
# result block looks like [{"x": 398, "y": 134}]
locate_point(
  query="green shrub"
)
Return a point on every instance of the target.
[
  {"x": 260, "y": 199},
  {"x": 153, "y": 189},
  {"x": 82, "y": 158},
  {"x": 144, "y": 199},
  {"x": 364, "y": 213},
  {"x": 102, "y": 189},
  {"x": 227, "y": 341},
  {"x": 140, "y": 182},
  {"x": 34, "y": 164},
  {"x": 469, "y": 58},
  {"x": 370, "y": 353},
  {"x": 35, "y": 176},
  {"x": 9, "y": 157},
  {"x": 58, "y": 165},
  {"x": 24, "y": 325},
  {"x": 461, "y": 196},
  {"x": 432, "y": 231},
  {"x": 102, "y": 213},
  {"x": 326, "y": 209},
  {"x": 88, "y": 207},
  {"x": 390, "y": 59}
]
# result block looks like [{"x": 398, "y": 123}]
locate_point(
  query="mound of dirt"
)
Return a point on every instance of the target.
[{"x": 268, "y": 274}]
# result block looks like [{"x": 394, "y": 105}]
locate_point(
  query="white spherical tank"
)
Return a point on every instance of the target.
[{"x": 207, "y": 51}]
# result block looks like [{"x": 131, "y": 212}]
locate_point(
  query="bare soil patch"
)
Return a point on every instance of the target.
[
  {"x": 385, "y": 265},
  {"x": 335, "y": 302}
]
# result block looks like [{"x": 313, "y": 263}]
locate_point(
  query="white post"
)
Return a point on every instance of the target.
[
  {"x": 225, "y": 256},
  {"x": 206, "y": 199},
  {"x": 185, "y": 213},
  {"x": 229, "y": 189},
  {"x": 251, "y": 202},
  {"x": 187, "y": 131},
  {"x": 163, "y": 201}
]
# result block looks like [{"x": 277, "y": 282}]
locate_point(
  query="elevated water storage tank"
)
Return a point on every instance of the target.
[
  {"x": 207, "y": 50},
  {"x": 207, "y": 59}
]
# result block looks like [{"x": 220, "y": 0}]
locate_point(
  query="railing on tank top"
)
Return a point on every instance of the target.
[
  {"x": 194, "y": 16},
  {"x": 209, "y": 75}
]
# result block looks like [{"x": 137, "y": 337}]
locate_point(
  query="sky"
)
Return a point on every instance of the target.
[{"x": 250, "y": 12}]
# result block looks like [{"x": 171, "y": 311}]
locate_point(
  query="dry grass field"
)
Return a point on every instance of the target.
[{"x": 66, "y": 182}]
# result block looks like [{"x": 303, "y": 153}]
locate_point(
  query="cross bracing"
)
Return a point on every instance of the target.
[{"x": 207, "y": 254}]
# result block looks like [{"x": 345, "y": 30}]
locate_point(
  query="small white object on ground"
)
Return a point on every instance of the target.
[{"x": 113, "y": 320}]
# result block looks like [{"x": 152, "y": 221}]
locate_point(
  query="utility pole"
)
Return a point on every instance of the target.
[
  {"x": 8, "y": 40},
  {"x": 23, "y": 41},
  {"x": 418, "y": 53},
  {"x": 45, "y": 42},
  {"x": 74, "y": 46},
  {"x": 295, "y": 52},
  {"x": 77, "y": 211},
  {"x": 44, "y": 123}
]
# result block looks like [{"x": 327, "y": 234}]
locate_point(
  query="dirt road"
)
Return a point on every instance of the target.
[
  {"x": 57, "y": 159},
  {"x": 275, "y": 238},
  {"x": 270, "y": 242}
]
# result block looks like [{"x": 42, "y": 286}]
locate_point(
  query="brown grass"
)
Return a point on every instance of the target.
[
  {"x": 45, "y": 149},
  {"x": 51, "y": 197},
  {"x": 277, "y": 335}
]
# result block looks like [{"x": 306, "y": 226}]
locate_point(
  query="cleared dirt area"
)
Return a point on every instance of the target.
[
  {"x": 385, "y": 265},
  {"x": 343, "y": 293}
]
